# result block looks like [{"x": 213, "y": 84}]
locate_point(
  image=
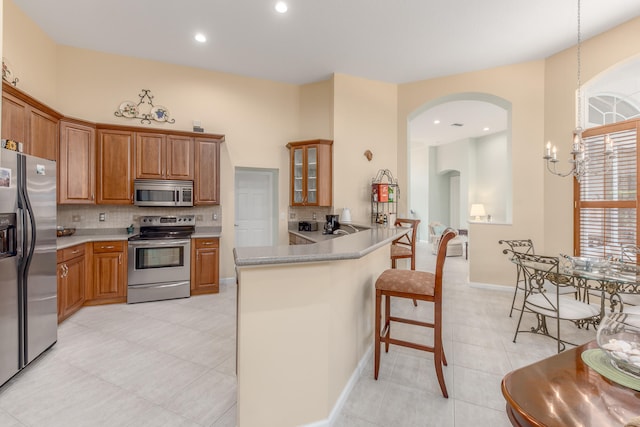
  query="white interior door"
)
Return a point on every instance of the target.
[{"x": 256, "y": 216}]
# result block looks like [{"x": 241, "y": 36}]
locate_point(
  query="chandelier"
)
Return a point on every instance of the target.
[{"x": 579, "y": 159}]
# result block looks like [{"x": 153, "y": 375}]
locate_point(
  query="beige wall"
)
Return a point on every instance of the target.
[
  {"x": 598, "y": 55},
  {"x": 316, "y": 110},
  {"x": 364, "y": 118},
  {"x": 523, "y": 86},
  {"x": 31, "y": 53}
]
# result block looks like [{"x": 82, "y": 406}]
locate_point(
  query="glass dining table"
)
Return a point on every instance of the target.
[{"x": 611, "y": 281}]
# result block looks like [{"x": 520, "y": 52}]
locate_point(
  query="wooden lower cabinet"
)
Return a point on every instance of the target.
[
  {"x": 294, "y": 239},
  {"x": 72, "y": 274},
  {"x": 109, "y": 273},
  {"x": 205, "y": 259}
]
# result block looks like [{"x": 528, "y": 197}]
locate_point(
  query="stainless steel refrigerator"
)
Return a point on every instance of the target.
[{"x": 28, "y": 287}]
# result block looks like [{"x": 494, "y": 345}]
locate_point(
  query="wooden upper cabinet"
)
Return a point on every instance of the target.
[
  {"x": 43, "y": 134},
  {"x": 207, "y": 170},
  {"x": 14, "y": 118},
  {"x": 180, "y": 157},
  {"x": 150, "y": 155},
  {"x": 311, "y": 164},
  {"x": 160, "y": 156},
  {"x": 30, "y": 122},
  {"x": 113, "y": 167},
  {"x": 76, "y": 163}
]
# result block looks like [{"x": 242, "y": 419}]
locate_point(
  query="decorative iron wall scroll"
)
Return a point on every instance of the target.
[{"x": 131, "y": 110}]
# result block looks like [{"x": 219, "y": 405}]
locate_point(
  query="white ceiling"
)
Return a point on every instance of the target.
[
  {"x": 395, "y": 41},
  {"x": 474, "y": 116}
]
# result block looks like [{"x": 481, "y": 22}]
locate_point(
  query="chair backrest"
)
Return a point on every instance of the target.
[
  {"x": 408, "y": 239},
  {"x": 441, "y": 256},
  {"x": 523, "y": 245},
  {"x": 629, "y": 253},
  {"x": 536, "y": 268}
]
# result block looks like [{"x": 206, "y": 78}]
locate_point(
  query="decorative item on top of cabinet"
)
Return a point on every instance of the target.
[
  {"x": 207, "y": 171},
  {"x": 144, "y": 109},
  {"x": 114, "y": 167},
  {"x": 205, "y": 259},
  {"x": 384, "y": 198},
  {"x": 311, "y": 164},
  {"x": 76, "y": 163},
  {"x": 162, "y": 156},
  {"x": 109, "y": 273},
  {"x": 30, "y": 122},
  {"x": 71, "y": 280}
]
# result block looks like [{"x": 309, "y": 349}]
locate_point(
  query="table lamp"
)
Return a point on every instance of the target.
[{"x": 477, "y": 210}]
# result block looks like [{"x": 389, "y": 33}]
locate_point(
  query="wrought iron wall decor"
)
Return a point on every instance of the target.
[
  {"x": 131, "y": 110},
  {"x": 7, "y": 73}
]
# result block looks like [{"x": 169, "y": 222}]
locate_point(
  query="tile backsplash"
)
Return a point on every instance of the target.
[{"x": 88, "y": 216}]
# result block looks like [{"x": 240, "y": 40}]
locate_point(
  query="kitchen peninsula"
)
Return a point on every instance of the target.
[{"x": 305, "y": 324}]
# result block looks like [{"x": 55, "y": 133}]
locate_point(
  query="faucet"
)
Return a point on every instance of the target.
[
  {"x": 349, "y": 225},
  {"x": 339, "y": 231}
]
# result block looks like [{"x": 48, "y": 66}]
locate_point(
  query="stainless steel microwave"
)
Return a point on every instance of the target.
[{"x": 156, "y": 192}]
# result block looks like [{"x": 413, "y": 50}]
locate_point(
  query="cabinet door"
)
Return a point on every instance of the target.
[
  {"x": 108, "y": 275},
  {"x": 74, "y": 286},
  {"x": 14, "y": 119},
  {"x": 76, "y": 164},
  {"x": 179, "y": 157},
  {"x": 312, "y": 175},
  {"x": 298, "y": 176},
  {"x": 150, "y": 155},
  {"x": 43, "y": 135},
  {"x": 205, "y": 266},
  {"x": 113, "y": 162},
  {"x": 207, "y": 179}
]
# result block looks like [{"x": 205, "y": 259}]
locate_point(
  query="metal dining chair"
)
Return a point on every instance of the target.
[
  {"x": 546, "y": 296},
  {"x": 522, "y": 246}
]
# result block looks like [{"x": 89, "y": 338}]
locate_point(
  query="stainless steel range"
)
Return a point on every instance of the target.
[{"x": 160, "y": 259}]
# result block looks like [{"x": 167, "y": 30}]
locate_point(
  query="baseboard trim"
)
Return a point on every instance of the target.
[
  {"x": 228, "y": 281},
  {"x": 491, "y": 286},
  {"x": 346, "y": 391}
]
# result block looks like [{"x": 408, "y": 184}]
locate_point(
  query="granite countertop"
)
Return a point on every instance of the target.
[
  {"x": 333, "y": 248},
  {"x": 102, "y": 234}
]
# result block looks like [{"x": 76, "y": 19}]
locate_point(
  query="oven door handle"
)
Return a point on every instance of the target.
[
  {"x": 158, "y": 242},
  {"x": 157, "y": 286}
]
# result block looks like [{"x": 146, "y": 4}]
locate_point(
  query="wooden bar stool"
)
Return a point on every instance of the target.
[{"x": 416, "y": 285}]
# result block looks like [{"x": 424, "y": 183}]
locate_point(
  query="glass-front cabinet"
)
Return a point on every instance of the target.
[{"x": 311, "y": 172}]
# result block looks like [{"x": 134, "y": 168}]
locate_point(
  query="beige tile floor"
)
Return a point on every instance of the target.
[{"x": 172, "y": 363}]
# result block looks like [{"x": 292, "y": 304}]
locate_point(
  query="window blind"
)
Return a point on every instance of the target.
[{"x": 606, "y": 202}]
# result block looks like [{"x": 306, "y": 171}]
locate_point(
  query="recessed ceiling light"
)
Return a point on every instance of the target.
[
  {"x": 281, "y": 7},
  {"x": 436, "y": 122},
  {"x": 485, "y": 128},
  {"x": 200, "y": 38}
]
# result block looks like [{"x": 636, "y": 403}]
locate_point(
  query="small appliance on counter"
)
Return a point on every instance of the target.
[
  {"x": 332, "y": 224},
  {"x": 308, "y": 226},
  {"x": 346, "y": 216}
]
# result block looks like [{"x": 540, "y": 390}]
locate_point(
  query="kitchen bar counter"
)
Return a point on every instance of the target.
[
  {"x": 305, "y": 325},
  {"x": 83, "y": 235},
  {"x": 329, "y": 247}
]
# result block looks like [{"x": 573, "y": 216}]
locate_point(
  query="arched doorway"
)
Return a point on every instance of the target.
[{"x": 459, "y": 153}]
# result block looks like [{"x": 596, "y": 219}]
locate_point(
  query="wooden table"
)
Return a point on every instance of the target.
[{"x": 563, "y": 391}]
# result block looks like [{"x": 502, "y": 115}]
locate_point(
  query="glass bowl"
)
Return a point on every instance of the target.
[{"x": 619, "y": 337}]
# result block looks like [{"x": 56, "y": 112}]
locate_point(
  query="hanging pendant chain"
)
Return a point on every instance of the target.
[{"x": 579, "y": 106}]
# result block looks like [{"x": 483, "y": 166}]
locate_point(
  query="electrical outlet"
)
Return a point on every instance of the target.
[
  {"x": 198, "y": 217},
  {"x": 215, "y": 216},
  {"x": 102, "y": 216},
  {"x": 292, "y": 215},
  {"x": 75, "y": 218}
]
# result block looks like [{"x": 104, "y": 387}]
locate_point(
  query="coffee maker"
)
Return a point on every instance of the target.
[{"x": 332, "y": 224}]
